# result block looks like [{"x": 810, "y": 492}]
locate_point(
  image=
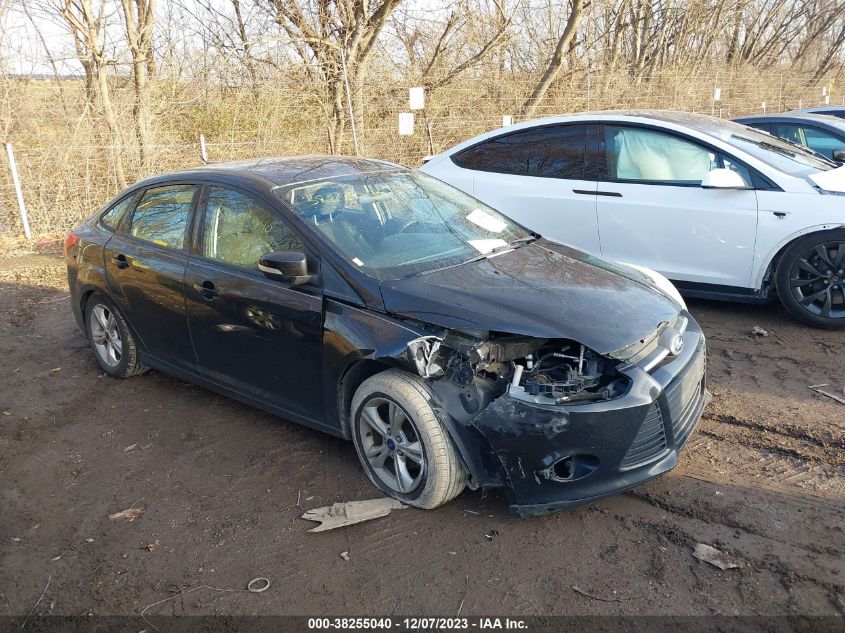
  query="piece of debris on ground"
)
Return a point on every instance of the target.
[
  {"x": 758, "y": 331},
  {"x": 351, "y": 512},
  {"x": 713, "y": 556},
  {"x": 829, "y": 391},
  {"x": 128, "y": 515}
]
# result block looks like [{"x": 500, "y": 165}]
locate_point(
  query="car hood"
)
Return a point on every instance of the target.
[
  {"x": 545, "y": 290},
  {"x": 830, "y": 180}
]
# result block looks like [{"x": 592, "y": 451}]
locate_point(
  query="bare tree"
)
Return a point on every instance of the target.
[
  {"x": 88, "y": 29},
  {"x": 138, "y": 17},
  {"x": 334, "y": 39},
  {"x": 556, "y": 62}
]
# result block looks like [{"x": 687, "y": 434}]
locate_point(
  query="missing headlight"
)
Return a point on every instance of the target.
[{"x": 563, "y": 372}]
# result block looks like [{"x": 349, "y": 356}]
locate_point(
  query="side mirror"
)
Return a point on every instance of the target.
[
  {"x": 288, "y": 266},
  {"x": 723, "y": 179},
  {"x": 839, "y": 155}
]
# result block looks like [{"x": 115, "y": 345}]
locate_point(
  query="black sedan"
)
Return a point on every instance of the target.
[
  {"x": 823, "y": 134},
  {"x": 451, "y": 345}
]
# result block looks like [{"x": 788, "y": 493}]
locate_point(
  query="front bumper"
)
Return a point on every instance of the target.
[{"x": 554, "y": 457}]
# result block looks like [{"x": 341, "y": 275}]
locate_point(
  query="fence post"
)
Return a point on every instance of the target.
[
  {"x": 203, "y": 153},
  {"x": 18, "y": 193}
]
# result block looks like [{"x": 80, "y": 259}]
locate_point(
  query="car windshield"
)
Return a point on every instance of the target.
[
  {"x": 787, "y": 157},
  {"x": 397, "y": 224}
]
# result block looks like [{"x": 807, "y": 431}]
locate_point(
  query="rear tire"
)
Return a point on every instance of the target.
[
  {"x": 403, "y": 448},
  {"x": 111, "y": 339},
  {"x": 810, "y": 279}
]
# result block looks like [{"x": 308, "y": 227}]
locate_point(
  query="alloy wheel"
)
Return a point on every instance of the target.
[
  {"x": 106, "y": 335},
  {"x": 817, "y": 280},
  {"x": 392, "y": 445}
]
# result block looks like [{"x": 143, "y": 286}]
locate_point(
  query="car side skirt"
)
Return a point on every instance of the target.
[
  {"x": 197, "y": 379},
  {"x": 718, "y": 292}
]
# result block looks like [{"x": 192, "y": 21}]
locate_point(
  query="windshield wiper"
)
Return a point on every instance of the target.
[
  {"x": 799, "y": 149},
  {"x": 520, "y": 241}
]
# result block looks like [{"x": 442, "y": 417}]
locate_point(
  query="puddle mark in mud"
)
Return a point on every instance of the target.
[
  {"x": 702, "y": 512},
  {"x": 831, "y": 457},
  {"x": 787, "y": 577},
  {"x": 786, "y": 429},
  {"x": 706, "y": 513}
]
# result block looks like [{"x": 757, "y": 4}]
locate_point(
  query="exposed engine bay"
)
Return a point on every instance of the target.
[{"x": 536, "y": 370}]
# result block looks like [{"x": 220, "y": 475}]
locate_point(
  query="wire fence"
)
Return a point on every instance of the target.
[{"x": 63, "y": 178}]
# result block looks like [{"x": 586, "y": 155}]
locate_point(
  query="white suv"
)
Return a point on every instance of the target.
[{"x": 723, "y": 210}]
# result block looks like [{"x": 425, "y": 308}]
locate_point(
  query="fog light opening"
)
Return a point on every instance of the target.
[
  {"x": 563, "y": 469},
  {"x": 573, "y": 468}
]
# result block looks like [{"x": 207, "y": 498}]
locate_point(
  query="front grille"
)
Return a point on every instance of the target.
[
  {"x": 683, "y": 399},
  {"x": 650, "y": 441}
]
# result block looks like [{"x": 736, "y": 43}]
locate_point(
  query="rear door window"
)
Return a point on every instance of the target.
[
  {"x": 162, "y": 215},
  {"x": 556, "y": 151}
]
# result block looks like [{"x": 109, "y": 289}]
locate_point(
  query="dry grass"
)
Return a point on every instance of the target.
[{"x": 66, "y": 161}]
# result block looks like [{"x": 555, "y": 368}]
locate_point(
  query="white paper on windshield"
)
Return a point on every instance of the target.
[
  {"x": 830, "y": 180},
  {"x": 485, "y": 246},
  {"x": 357, "y": 261},
  {"x": 486, "y": 221}
]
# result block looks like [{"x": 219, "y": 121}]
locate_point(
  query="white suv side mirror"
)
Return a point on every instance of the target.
[{"x": 723, "y": 179}]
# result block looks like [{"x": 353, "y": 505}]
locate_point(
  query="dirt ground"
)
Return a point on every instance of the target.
[{"x": 762, "y": 479}]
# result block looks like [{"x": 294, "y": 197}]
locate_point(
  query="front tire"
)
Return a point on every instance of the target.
[
  {"x": 403, "y": 448},
  {"x": 810, "y": 279},
  {"x": 111, "y": 339}
]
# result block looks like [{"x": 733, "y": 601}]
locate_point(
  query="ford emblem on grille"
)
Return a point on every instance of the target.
[{"x": 676, "y": 345}]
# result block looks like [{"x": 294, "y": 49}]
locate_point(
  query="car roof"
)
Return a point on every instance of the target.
[
  {"x": 822, "y": 109},
  {"x": 701, "y": 123},
  {"x": 281, "y": 171}
]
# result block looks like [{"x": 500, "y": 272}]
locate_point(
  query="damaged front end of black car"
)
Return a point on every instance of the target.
[
  {"x": 561, "y": 377},
  {"x": 559, "y": 424}
]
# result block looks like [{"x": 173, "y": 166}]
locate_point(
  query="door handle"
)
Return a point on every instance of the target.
[
  {"x": 207, "y": 290},
  {"x": 121, "y": 261},
  {"x": 584, "y": 192}
]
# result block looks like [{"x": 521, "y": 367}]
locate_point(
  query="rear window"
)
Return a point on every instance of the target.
[
  {"x": 546, "y": 152},
  {"x": 162, "y": 215}
]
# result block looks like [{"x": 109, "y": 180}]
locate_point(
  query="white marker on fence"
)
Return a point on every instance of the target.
[
  {"x": 203, "y": 153},
  {"x": 416, "y": 98},
  {"x": 18, "y": 193},
  {"x": 406, "y": 123}
]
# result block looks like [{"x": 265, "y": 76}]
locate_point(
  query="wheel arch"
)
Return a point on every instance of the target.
[
  {"x": 766, "y": 274},
  {"x": 354, "y": 375},
  {"x": 360, "y": 371}
]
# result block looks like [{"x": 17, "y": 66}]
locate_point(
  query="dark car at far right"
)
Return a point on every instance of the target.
[{"x": 821, "y": 133}]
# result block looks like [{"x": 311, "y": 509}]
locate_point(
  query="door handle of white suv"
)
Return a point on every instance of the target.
[{"x": 584, "y": 192}]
